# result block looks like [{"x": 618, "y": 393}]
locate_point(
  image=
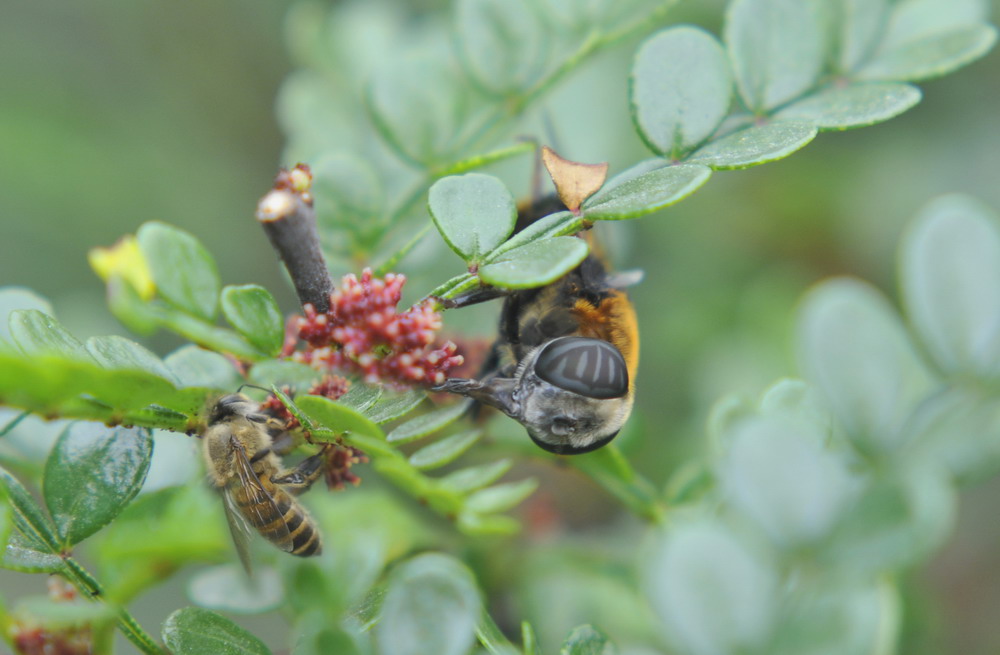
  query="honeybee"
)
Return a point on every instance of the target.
[
  {"x": 238, "y": 446},
  {"x": 565, "y": 359}
]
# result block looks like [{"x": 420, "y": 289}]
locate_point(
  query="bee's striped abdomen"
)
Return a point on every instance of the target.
[{"x": 281, "y": 519}]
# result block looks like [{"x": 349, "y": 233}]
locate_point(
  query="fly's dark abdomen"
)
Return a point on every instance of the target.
[{"x": 589, "y": 367}]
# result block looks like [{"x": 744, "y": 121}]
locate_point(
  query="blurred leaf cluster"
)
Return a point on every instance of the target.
[{"x": 791, "y": 533}]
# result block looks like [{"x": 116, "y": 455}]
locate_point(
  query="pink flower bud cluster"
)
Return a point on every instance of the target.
[{"x": 364, "y": 333}]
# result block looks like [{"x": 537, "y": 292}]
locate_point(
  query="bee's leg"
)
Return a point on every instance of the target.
[
  {"x": 474, "y": 297},
  {"x": 300, "y": 477}
]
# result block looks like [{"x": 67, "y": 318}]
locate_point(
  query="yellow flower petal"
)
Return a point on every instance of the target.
[{"x": 125, "y": 260}]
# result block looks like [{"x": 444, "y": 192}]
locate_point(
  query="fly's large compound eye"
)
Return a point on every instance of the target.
[{"x": 589, "y": 367}]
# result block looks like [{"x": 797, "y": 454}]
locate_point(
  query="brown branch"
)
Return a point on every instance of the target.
[{"x": 287, "y": 216}]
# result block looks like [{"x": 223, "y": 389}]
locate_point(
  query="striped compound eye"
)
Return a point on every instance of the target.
[{"x": 589, "y": 367}]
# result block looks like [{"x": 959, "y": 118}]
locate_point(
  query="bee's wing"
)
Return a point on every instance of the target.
[
  {"x": 239, "y": 529},
  {"x": 260, "y": 509}
]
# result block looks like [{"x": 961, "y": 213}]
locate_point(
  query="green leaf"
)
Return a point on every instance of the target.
[
  {"x": 335, "y": 417},
  {"x": 197, "y": 367},
  {"x": 12, "y": 298},
  {"x": 501, "y": 44},
  {"x": 360, "y": 396},
  {"x": 281, "y": 372},
  {"x": 253, "y": 311},
  {"x": 777, "y": 49},
  {"x": 798, "y": 498},
  {"x": 345, "y": 187},
  {"x": 473, "y": 212},
  {"x": 713, "y": 592},
  {"x": 428, "y": 423},
  {"x": 444, "y": 451},
  {"x": 92, "y": 474},
  {"x": 230, "y": 589},
  {"x": 194, "y": 631},
  {"x": 394, "y": 407},
  {"x": 587, "y": 640},
  {"x": 476, "y": 477},
  {"x": 933, "y": 55},
  {"x": 900, "y": 518},
  {"x": 492, "y": 639},
  {"x": 29, "y": 519},
  {"x": 679, "y": 89},
  {"x": 960, "y": 428},
  {"x": 857, "y": 28},
  {"x": 528, "y": 639},
  {"x": 418, "y": 104},
  {"x": 23, "y": 554},
  {"x": 755, "y": 145},
  {"x": 36, "y": 333},
  {"x": 474, "y": 524},
  {"x": 501, "y": 497},
  {"x": 950, "y": 265},
  {"x": 535, "y": 264},
  {"x": 116, "y": 352},
  {"x": 136, "y": 314},
  {"x": 184, "y": 272},
  {"x": 431, "y": 607},
  {"x": 858, "y": 105},
  {"x": 633, "y": 196},
  {"x": 853, "y": 347}
]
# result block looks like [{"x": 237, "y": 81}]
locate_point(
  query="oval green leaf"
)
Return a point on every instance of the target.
[
  {"x": 679, "y": 89},
  {"x": 360, "y": 396},
  {"x": 858, "y": 105},
  {"x": 91, "y": 475},
  {"x": 777, "y": 49},
  {"x": 933, "y": 55},
  {"x": 857, "y": 26},
  {"x": 798, "y": 498},
  {"x": 476, "y": 477},
  {"x": 36, "y": 334},
  {"x": 12, "y": 298},
  {"x": 475, "y": 213},
  {"x": 29, "y": 519},
  {"x": 128, "y": 307},
  {"x": 444, "y": 451},
  {"x": 183, "y": 270},
  {"x": 330, "y": 415},
  {"x": 280, "y": 372},
  {"x": 713, "y": 592},
  {"x": 253, "y": 311},
  {"x": 194, "y": 631},
  {"x": 636, "y": 195},
  {"x": 116, "y": 352},
  {"x": 587, "y": 640},
  {"x": 755, "y": 145},
  {"x": 394, "y": 407},
  {"x": 535, "y": 264},
  {"x": 501, "y": 497},
  {"x": 230, "y": 589},
  {"x": 428, "y": 423},
  {"x": 853, "y": 347},
  {"x": 950, "y": 269},
  {"x": 501, "y": 44},
  {"x": 197, "y": 367},
  {"x": 431, "y": 607}
]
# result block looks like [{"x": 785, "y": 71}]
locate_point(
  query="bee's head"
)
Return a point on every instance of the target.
[
  {"x": 234, "y": 404},
  {"x": 571, "y": 394}
]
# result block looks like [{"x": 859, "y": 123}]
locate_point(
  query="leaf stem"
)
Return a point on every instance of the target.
[{"x": 88, "y": 586}]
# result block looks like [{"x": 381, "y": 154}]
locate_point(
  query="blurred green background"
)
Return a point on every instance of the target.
[{"x": 115, "y": 113}]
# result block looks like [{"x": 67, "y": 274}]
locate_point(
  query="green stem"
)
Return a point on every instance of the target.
[
  {"x": 394, "y": 259},
  {"x": 89, "y": 587}
]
